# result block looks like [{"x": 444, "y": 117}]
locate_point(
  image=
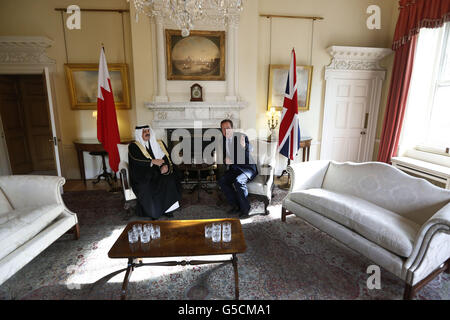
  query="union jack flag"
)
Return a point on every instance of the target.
[{"x": 289, "y": 134}]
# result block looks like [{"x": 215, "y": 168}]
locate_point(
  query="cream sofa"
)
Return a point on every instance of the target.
[
  {"x": 32, "y": 216},
  {"x": 399, "y": 222}
]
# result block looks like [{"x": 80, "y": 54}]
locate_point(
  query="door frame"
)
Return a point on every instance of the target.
[
  {"x": 27, "y": 55},
  {"x": 332, "y": 77},
  {"x": 5, "y": 164}
]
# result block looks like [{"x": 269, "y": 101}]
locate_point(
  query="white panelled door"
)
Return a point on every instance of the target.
[
  {"x": 352, "y": 98},
  {"x": 345, "y": 126}
]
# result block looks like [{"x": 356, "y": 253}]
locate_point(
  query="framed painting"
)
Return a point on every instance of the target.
[
  {"x": 200, "y": 56},
  {"x": 82, "y": 80},
  {"x": 278, "y": 74}
]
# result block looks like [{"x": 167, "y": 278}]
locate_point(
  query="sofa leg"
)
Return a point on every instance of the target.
[
  {"x": 284, "y": 213},
  {"x": 409, "y": 292},
  {"x": 76, "y": 231},
  {"x": 266, "y": 204}
]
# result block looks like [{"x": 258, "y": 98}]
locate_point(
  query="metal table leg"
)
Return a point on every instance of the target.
[
  {"x": 130, "y": 269},
  {"x": 236, "y": 277}
]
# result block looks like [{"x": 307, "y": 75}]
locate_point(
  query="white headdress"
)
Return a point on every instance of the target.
[{"x": 152, "y": 143}]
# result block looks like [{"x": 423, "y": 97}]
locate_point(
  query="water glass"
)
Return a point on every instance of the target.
[
  {"x": 133, "y": 236},
  {"x": 137, "y": 228},
  {"x": 145, "y": 236},
  {"x": 216, "y": 232},
  {"x": 226, "y": 231},
  {"x": 156, "y": 233},
  {"x": 208, "y": 231},
  {"x": 147, "y": 227}
]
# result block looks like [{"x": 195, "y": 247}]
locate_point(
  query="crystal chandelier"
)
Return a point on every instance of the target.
[{"x": 185, "y": 12}]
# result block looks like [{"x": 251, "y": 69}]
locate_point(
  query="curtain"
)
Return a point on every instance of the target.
[{"x": 413, "y": 15}]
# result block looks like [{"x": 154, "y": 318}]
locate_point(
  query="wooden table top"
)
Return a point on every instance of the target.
[{"x": 179, "y": 238}]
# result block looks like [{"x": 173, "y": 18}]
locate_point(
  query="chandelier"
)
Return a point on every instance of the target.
[{"x": 185, "y": 12}]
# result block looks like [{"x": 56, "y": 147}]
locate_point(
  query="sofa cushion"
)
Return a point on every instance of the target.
[
  {"x": 24, "y": 224},
  {"x": 381, "y": 226},
  {"x": 5, "y": 206}
]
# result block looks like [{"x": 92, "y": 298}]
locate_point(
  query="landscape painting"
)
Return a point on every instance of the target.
[
  {"x": 82, "y": 81},
  {"x": 200, "y": 56},
  {"x": 277, "y": 86}
]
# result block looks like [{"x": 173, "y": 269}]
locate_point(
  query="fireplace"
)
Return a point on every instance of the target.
[{"x": 199, "y": 139}]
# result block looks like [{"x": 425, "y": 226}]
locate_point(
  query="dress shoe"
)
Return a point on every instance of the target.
[
  {"x": 244, "y": 214},
  {"x": 233, "y": 210},
  {"x": 169, "y": 214}
]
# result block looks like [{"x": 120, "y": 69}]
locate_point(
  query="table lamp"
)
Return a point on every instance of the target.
[{"x": 272, "y": 122}]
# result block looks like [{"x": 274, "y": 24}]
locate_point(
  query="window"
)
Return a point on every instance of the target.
[{"x": 427, "y": 118}]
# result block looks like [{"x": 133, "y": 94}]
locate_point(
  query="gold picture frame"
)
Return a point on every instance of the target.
[
  {"x": 200, "y": 56},
  {"x": 277, "y": 86},
  {"x": 82, "y": 81}
]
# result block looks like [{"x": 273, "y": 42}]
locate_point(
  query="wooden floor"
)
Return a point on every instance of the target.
[{"x": 78, "y": 185}]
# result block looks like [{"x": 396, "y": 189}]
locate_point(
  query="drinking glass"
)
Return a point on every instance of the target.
[
  {"x": 148, "y": 227},
  {"x": 133, "y": 236},
  {"x": 208, "y": 231},
  {"x": 137, "y": 228},
  {"x": 226, "y": 231},
  {"x": 216, "y": 232},
  {"x": 156, "y": 233},
  {"x": 145, "y": 236}
]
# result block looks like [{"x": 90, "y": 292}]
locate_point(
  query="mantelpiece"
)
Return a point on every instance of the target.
[{"x": 192, "y": 114}]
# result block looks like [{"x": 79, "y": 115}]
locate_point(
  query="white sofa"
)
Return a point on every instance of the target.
[
  {"x": 32, "y": 216},
  {"x": 400, "y": 222}
]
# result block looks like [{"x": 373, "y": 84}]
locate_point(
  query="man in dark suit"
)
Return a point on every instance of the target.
[{"x": 241, "y": 168}]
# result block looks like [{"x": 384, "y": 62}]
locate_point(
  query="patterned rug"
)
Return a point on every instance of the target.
[{"x": 291, "y": 260}]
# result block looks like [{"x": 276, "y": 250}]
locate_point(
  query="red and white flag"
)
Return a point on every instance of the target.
[
  {"x": 107, "y": 127},
  {"x": 289, "y": 134}
]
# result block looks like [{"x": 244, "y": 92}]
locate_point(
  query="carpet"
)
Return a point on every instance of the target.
[{"x": 291, "y": 260}]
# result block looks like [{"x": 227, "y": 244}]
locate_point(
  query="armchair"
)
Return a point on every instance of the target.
[
  {"x": 128, "y": 193},
  {"x": 264, "y": 153}
]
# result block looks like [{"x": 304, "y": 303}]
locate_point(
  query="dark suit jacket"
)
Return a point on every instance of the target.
[{"x": 242, "y": 160}]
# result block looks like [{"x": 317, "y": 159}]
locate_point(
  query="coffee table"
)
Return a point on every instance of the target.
[{"x": 179, "y": 238}]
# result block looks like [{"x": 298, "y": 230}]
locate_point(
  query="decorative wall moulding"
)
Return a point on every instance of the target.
[
  {"x": 357, "y": 58},
  {"x": 25, "y": 50}
]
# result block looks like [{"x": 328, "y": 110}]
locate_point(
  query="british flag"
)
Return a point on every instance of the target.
[{"x": 289, "y": 134}]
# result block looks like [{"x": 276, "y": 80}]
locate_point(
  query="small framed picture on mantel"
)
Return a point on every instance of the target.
[{"x": 196, "y": 92}]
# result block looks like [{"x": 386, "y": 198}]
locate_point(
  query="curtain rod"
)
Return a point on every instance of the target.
[
  {"x": 291, "y": 17},
  {"x": 96, "y": 10}
]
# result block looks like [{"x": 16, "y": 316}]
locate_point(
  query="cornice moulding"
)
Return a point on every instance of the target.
[
  {"x": 356, "y": 58},
  {"x": 25, "y": 50}
]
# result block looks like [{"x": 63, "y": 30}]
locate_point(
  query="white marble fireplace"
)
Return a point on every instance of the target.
[{"x": 188, "y": 115}]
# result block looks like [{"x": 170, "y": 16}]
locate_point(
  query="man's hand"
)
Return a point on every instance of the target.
[
  {"x": 228, "y": 161},
  {"x": 243, "y": 141},
  {"x": 158, "y": 162},
  {"x": 164, "y": 169}
]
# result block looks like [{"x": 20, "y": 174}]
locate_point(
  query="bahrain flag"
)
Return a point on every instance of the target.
[{"x": 107, "y": 127}]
